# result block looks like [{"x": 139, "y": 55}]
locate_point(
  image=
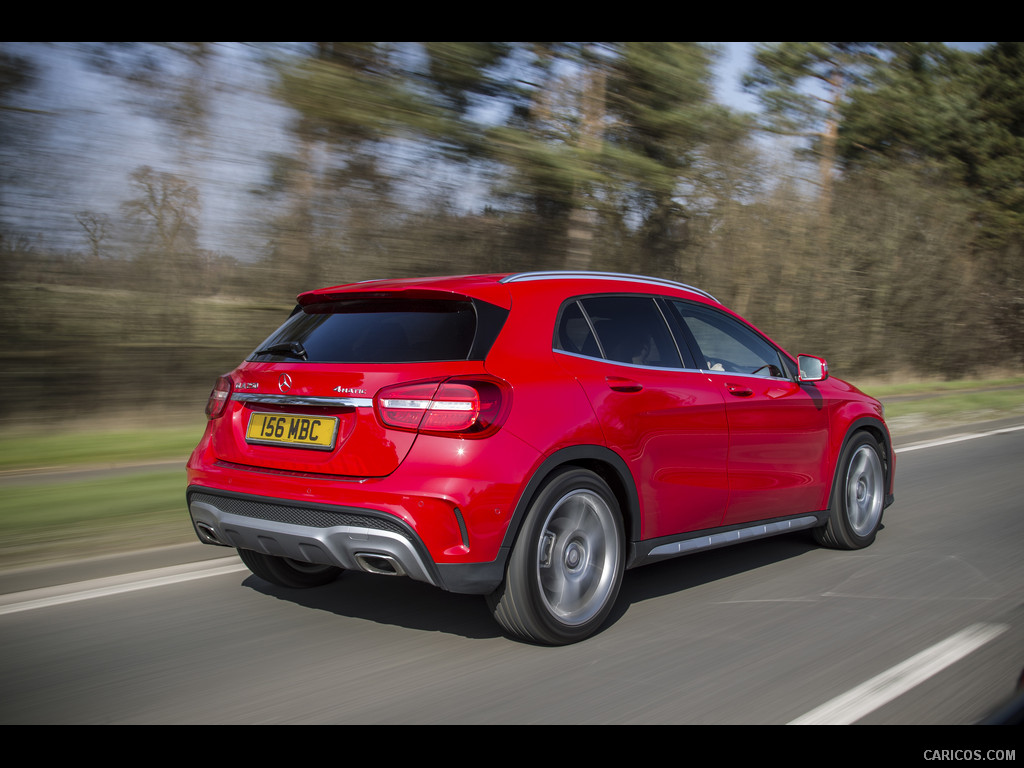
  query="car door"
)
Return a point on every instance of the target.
[
  {"x": 666, "y": 419},
  {"x": 778, "y": 427}
]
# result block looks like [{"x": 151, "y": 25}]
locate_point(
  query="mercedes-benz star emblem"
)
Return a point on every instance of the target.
[{"x": 284, "y": 383}]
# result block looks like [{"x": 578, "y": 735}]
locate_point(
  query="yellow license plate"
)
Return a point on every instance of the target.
[{"x": 292, "y": 429}]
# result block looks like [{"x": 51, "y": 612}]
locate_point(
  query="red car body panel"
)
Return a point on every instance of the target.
[
  {"x": 673, "y": 434},
  {"x": 686, "y": 450}
]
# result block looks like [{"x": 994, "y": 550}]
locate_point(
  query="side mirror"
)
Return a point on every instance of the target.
[{"x": 812, "y": 368}]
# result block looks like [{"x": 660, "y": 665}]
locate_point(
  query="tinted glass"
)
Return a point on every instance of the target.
[
  {"x": 378, "y": 331},
  {"x": 726, "y": 345},
  {"x": 574, "y": 333},
  {"x": 630, "y": 329}
]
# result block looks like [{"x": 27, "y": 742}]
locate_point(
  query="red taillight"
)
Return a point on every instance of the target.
[
  {"x": 464, "y": 407},
  {"x": 218, "y": 398}
]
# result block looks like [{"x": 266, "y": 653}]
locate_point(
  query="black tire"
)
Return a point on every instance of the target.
[
  {"x": 565, "y": 570},
  {"x": 285, "y": 572},
  {"x": 858, "y": 496}
]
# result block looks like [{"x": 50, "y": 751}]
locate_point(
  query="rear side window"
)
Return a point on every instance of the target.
[
  {"x": 624, "y": 329},
  {"x": 375, "y": 331}
]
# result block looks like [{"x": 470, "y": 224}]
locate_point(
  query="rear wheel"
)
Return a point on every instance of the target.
[
  {"x": 855, "y": 513},
  {"x": 566, "y": 568},
  {"x": 285, "y": 572}
]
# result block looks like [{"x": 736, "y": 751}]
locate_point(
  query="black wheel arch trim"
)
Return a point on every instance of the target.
[
  {"x": 483, "y": 578},
  {"x": 605, "y": 463},
  {"x": 880, "y": 432}
]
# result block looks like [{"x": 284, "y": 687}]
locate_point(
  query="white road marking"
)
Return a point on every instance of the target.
[
  {"x": 883, "y": 688},
  {"x": 116, "y": 585},
  {"x": 956, "y": 439}
]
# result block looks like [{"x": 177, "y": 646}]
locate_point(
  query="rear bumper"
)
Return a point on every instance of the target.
[{"x": 348, "y": 537}]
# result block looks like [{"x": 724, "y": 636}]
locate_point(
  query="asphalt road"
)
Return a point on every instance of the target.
[{"x": 924, "y": 627}]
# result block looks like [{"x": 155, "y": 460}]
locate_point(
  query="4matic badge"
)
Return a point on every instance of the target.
[{"x": 350, "y": 391}]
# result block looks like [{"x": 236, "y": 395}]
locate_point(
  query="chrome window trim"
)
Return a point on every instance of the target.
[
  {"x": 674, "y": 369},
  {"x": 707, "y": 371},
  {"x": 738, "y": 374},
  {"x": 336, "y": 402},
  {"x": 556, "y": 275}
]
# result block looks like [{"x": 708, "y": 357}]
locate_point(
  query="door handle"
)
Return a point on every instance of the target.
[
  {"x": 739, "y": 390},
  {"x": 620, "y": 384}
]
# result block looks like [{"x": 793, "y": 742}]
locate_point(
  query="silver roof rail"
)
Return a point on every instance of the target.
[{"x": 554, "y": 275}]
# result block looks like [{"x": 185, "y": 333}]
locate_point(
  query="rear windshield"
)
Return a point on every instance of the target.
[{"x": 374, "y": 331}]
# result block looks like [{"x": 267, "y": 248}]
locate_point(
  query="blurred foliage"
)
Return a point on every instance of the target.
[{"x": 889, "y": 239}]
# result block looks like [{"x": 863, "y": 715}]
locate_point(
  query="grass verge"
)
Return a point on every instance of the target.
[
  {"x": 97, "y": 445},
  {"x": 47, "y": 521},
  {"x": 913, "y": 407}
]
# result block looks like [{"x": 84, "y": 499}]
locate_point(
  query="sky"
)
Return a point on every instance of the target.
[
  {"x": 735, "y": 60},
  {"x": 125, "y": 144}
]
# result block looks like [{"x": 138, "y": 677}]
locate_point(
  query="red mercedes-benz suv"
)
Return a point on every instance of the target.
[{"x": 527, "y": 437}]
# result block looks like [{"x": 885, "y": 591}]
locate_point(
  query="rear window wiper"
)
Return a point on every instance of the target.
[{"x": 286, "y": 348}]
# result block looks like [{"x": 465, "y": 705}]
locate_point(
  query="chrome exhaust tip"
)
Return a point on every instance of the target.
[
  {"x": 384, "y": 565},
  {"x": 208, "y": 535}
]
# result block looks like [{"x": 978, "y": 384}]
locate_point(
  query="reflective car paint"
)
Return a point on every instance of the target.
[{"x": 685, "y": 450}]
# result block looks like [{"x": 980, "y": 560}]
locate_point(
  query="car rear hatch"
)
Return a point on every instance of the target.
[{"x": 340, "y": 387}]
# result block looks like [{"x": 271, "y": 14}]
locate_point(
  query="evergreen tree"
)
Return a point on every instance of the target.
[{"x": 803, "y": 89}]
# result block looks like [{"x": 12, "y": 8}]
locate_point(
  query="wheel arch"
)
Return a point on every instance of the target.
[
  {"x": 604, "y": 463},
  {"x": 877, "y": 429}
]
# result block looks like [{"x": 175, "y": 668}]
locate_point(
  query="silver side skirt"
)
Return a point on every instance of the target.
[{"x": 726, "y": 538}]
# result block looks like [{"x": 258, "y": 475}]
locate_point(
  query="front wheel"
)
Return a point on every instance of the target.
[
  {"x": 566, "y": 568},
  {"x": 285, "y": 572},
  {"x": 855, "y": 513}
]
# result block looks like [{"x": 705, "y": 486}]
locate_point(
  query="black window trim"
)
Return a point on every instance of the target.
[{"x": 685, "y": 354}]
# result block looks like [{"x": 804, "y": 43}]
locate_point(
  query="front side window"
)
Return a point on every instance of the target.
[{"x": 723, "y": 344}]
